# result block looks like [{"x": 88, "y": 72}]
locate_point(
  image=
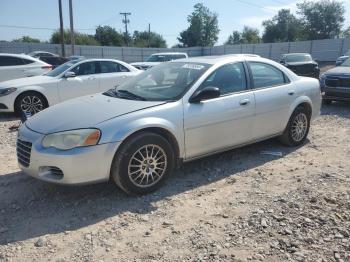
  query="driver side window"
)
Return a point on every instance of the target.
[
  {"x": 87, "y": 68},
  {"x": 229, "y": 78}
]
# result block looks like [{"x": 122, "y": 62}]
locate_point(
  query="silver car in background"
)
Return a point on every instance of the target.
[{"x": 175, "y": 112}]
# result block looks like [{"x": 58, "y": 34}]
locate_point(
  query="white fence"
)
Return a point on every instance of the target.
[{"x": 321, "y": 50}]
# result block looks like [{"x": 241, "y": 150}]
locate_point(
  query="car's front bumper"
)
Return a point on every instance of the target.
[
  {"x": 7, "y": 102},
  {"x": 76, "y": 166},
  {"x": 336, "y": 93}
]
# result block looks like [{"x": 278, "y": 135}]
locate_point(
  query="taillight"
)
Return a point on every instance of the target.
[{"x": 46, "y": 67}]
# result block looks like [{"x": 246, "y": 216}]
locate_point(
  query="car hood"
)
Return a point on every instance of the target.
[
  {"x": 145, "y": 63},
  {"x": 343, "y": 57},
  {"x": 339, "y": 70},
  {"x": 27, "y": 81},
  {"x": 300, "y": 63},
  {"x": 84, "y": 112}
]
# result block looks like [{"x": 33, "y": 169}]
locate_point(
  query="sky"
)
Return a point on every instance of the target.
[{"x": 167, "y": 17}]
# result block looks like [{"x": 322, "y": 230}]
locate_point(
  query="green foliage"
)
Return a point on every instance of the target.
[
  {"x": 108, "y": 36},
  {"x": 26, "y": 39},
  {"x": 283, "y": 27},
  {"x": 142, "y": 38},
  {"x": 234, "y": 39},
  {"x": 80, "y": 39},
  {"x": 346, "y": 33},
  {"x": 321, "y": 20},
  {"x": 203, "y": 28}
]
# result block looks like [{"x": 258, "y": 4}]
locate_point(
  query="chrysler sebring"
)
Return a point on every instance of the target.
[{"x": 175, "y": 112}]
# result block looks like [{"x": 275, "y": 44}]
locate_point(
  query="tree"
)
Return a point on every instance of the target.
[
  {"x": 80, "y": 39},
  {"x": 283, "y": 27},
  {"x": 346, "y": 32},
  {"x": 108, "y": 36},
  {"x": 234, "y": 39},
  {"x": 203, "y": 29},
  {"x": 141, "y": 39},
  {"x": 26, "y": 39},
  {"x": 250, "y": 35},
  {"x": 323, "y": 19}
]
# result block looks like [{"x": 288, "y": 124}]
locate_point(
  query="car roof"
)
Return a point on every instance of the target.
[
  {"x": 170, "y": 53},
  {"x": 20, "y": 55},
  {"x": 219, "y": 59},
  {"x": 296, "y": 54}
]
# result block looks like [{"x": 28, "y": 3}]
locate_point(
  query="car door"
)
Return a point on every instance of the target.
[
  {"x": 11, "y": 67},
  {"x": 112, "y": 74},
  {"x": 84, "y": 82},
  {"x": 223, "y": 122},
  {"x": 274, "y": 93}
]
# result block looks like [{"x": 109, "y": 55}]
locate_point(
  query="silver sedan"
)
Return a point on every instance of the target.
[{"x": 137, "y": 133}]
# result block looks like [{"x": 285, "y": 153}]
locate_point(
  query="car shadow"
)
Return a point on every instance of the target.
[{"x": 31, "y": 208}]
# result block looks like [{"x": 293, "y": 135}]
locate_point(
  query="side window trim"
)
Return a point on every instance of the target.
[
  {"x": 251, "y": 79},
  {"x": 247, "y": 82}
]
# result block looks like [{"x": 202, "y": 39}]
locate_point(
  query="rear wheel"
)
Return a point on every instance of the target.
[
  {"x": 143, "y": 163},
  {"x": 30, "y": 102},
  {"x": 298, "y": 128}
]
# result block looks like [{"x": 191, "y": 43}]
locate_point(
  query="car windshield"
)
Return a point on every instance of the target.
[
  {"x": 166, "y": 82},
  {"x": 346, "y": 63},
  {"x": 298, "y": 58},
  {"x": 158, "y": 58},
  {"x": 60, "y": 69}
]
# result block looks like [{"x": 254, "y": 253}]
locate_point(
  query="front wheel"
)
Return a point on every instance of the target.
[
  {"x": 143, "y": 163},
  {"x": 297, "y": 129},
  {"x": 30, "y": 102}
]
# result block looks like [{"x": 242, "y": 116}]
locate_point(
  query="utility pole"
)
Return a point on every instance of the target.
[
  {"x": 126, "y": 21},
  {"x": 72, "y": 37},
  {"x": 61, "y": 27},
  {"x": 149, "y": 35}
]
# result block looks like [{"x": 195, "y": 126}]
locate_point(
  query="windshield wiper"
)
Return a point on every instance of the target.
[{"x": 125, "y": 93}]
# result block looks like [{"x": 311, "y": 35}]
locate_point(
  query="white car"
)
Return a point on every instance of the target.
[
  {"x": 72, "y": 79},
  {"x": 19, "y": 65},
  {"x": 37, "y": 54},
  {"x": 157, "y": 59}
]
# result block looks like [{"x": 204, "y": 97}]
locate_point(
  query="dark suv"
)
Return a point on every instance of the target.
[
  {"x": 302, "y": 64},
  {"x": 335, "y": 83}
]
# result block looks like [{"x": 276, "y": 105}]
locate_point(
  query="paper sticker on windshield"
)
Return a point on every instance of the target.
[{"x": 193, "y": 66}]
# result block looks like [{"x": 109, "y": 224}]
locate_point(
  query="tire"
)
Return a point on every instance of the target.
[
  {"x": 327, "y": 102},
  {"x": 143, "y": 178},
  {"x": 297, "y": 129},
  {"x": 34, "y": 101}
]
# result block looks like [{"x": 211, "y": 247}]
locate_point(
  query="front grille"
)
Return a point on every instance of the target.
[
  {"x": 24, "y": 149},
  {"x": 338, "y": 82}
]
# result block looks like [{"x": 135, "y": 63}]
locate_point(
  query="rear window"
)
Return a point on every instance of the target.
[
  {"x": 298, "y": 58},
  {"x": 14, "y": 61}
]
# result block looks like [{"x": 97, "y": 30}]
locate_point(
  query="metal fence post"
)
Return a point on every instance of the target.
[
  {"x": 102, "y": 51},
  {"x": 270, "y": 51},
  {"x": 311, "y": 46},
  {"x": 122, "y": 54},
  {"x": 241, "y": 48},
  {"x": 342, "y": 47},
  {"x": 288, "y": 47}
]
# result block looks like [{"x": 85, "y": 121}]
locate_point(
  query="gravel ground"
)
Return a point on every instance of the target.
[{"x": 236, "y": 206}]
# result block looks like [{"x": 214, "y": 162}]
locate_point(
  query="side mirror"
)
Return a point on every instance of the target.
[
  {"x": 206, "y": 93},
  {"x": 69, "y": 74}
]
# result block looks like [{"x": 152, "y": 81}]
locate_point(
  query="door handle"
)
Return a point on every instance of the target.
[
  {"x": 124, "y": 76},
  {"x": 291, "y": 92},
  {"x": 244, "y": 102},
  {"x": 92, "y": 78}
]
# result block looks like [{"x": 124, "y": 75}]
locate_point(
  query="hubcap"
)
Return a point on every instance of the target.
[
  {"x": 299, "y": 127},
  {"x": 147, "y": 165},
  {"x": 31, "y": 104}
]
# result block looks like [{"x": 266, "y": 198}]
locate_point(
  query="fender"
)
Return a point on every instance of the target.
[
  {"x": 136, "y": 125},
  {"x": 299, "y": 100},
  {"x": 50, "y": 94}
]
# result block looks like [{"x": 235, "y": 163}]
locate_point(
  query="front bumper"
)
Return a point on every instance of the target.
[
  {"x": 7, "y": 102},
  {"x": 336, "y": 93},
  {"x": 82, "y": 165}
]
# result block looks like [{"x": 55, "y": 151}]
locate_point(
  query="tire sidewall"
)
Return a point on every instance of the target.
[
  {"x": 294, "y": 115},
  {"x": 18, "y": 101},
  {"x": 121, "y": 160}
]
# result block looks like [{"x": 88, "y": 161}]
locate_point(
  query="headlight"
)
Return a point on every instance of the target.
[
  {"x": 7, "y": 91},
  {"x": 72, "y": 139}
]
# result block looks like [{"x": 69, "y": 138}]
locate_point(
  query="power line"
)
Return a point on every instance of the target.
[{"x": 256, "y": 5}]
